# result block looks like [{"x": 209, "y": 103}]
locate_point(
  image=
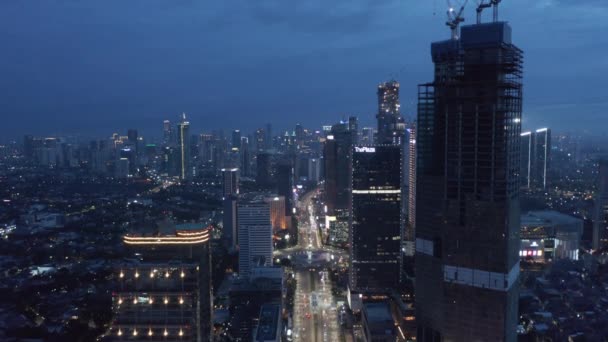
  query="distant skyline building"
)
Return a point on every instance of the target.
[
  {"x": 167, "y": 295},
  {"x": 542, "y": 155},
  {"x": 277, "y": 212},
  {"x": 391, "y": 125},
  {"x": 600, "y": 207},
  {"x": 535, "y": 159},
  {"x": 183, "y": 138},
  {"x": 236, "y": 139},
  {"x": 122, "y": 168},
  {"x": 285, "y": 183},
  {"x": 167, "y": 133},
  {"x": 268, "y": 139},
  {"x": 260, "y": 140},
  {"x": 230, "y": 182},
  {"x": 375, "y": 219},
  {"x": 467, "y": 188},
  {"x": 254, "y": 235},
  {"x": 263, "y": 170}
]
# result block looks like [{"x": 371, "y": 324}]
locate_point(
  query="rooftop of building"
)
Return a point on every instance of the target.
[
  {"x": 378, "y": 312},
  {"x": 548, "y": 217}
]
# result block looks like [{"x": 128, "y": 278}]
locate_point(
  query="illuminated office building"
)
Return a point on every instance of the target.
[
  {"x": 254, "y": 236},
  {"x": 375, "y": 224},
  {"x": 166, "y": 295},
  {"x": 390, "y": 123},
  {"x": 230, "y": 182},
  {"x": 410, "y": 227},
  {"x": 278, "y": 218}
]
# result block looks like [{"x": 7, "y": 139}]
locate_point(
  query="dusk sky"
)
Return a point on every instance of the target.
[{"x": 93, "y": 67}]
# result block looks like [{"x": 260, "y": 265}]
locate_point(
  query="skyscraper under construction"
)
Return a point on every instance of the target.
[{"x": 467, "y": 210}]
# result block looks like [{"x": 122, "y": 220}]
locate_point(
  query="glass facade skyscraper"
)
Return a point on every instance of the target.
[{"x": 375, "y": 218}]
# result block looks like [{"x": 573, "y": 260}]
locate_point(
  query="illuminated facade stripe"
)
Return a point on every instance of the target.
[
  {"x": 182, "y": 238},
  {"x": 366, "y": 192},
  {"x": 161, "y": 242},
  {"x": 165, "y": 238}
]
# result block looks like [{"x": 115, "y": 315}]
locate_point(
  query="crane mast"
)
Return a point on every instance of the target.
[{"x": 483, "y": 5}]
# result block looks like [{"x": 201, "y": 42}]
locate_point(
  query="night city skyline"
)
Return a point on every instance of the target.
[
  {"x": 303, "y": 171},
  {"x": 89, "y": 68}
]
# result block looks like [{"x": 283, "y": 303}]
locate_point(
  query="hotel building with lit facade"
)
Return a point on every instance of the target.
[{"x": 165, "y": 293}]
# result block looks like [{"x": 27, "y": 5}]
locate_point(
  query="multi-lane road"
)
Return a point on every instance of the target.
[{"x": 315, "y": 311}]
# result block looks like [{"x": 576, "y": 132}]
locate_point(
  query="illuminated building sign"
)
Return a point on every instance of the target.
[{"x": 365, "y": 149}]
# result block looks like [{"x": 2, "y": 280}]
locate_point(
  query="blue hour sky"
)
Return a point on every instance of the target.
[{"x": 93, "y": 67}]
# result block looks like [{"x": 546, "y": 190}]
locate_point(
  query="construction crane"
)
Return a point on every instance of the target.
[
  {"x": 455, "y": 18},
  {"x": 483, "y": 5}
]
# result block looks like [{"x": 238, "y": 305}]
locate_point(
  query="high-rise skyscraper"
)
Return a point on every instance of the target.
[
  {"x": 207, "y": 145},
  {"x": 245, "y": 157},
  {"x": 337, "y": 155},
  {"x": 467, "y": 189},
  {"x": 263, "y": 168},
  {"x": 167, "y": 296},
  {"x": 525, "y": 159},
  {"x": 277, "y": 212},
  {"x": 260, "y": 140},
  {"x": 236, "y": 139},
  {"x": 268, "y": 139},
  {"x": 535, "y": 152},
  {"x": 183, "y": 129},
  {"x": 285, "y": 184},
  {"x": 600, "y": 214},
  {"x": 255, "y": 236},
  {"x": 410, "y": 226},
  {"x": 375, "y": 219},
  {"x": 230, "y": 182},
  {"x": 167, "y": 133},
  {"x": 542, "y": 155},
  {"x": 391, "y": 125}
]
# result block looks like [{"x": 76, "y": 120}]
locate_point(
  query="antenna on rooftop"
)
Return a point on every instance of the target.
[{"x": 455, "y": 18}]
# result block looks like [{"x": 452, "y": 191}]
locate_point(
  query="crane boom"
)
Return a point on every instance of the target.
[{"x": 454, "y": 19}]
